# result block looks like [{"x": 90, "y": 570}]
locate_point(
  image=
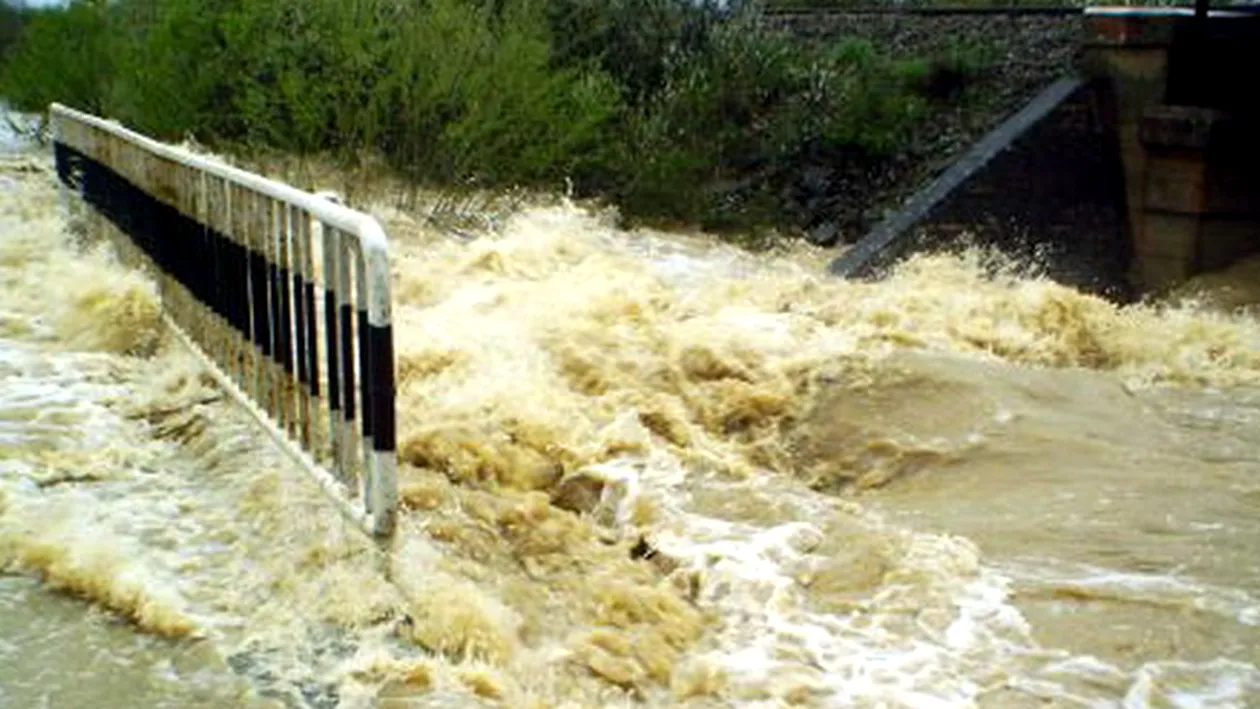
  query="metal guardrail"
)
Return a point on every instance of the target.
[{"x": 240, "y": 261}]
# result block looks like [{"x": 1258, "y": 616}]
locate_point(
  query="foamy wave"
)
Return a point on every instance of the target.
[
  {"x": 1220, "y": 684},
  {"x": 98, "y": 305},
  {"x": 72, "y": 555},
  {"x": 1092, "y": 582},
  {"x": 1089, "y": 682},
  {"x": 935, "y": 630},
  {"x": 672, "y": 372}
]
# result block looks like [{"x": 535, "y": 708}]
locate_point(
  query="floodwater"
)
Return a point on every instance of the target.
[{"x": 640, "y": 470}]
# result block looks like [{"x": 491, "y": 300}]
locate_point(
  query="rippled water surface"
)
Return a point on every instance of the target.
[{"x": 640, "y": 470}]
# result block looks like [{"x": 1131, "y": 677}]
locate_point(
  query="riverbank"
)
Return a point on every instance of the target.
[
  {"x": 984, "y": 69},
  {"x": 674, "y": 113}
]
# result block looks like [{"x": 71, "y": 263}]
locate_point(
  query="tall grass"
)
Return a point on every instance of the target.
[{"x": 672, "y": 109}]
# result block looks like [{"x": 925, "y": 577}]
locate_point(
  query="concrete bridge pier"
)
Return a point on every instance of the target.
[{"x": 1180, "y": 96}]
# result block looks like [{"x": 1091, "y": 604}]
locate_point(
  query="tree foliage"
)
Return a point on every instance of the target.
[{"x": 661, "y": 105}]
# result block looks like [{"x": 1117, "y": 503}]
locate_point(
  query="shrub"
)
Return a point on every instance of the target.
[
  {"x": 674, "y": 109},
  {"x": 477, "y": 97},
  {"x": 169, "y": 61},
  {"x": 12, "y": 20},
  {"x": 752, "y": 106},
  {"x": 61, "y": 55}
]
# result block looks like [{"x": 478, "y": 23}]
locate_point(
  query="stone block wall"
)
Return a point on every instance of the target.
[{"x": 1179, "y": 96}]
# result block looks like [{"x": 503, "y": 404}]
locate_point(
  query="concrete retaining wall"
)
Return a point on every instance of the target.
[{"x": 1045, "y": 187}]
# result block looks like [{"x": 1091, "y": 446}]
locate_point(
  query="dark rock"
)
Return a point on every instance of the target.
[{"x": 642, "y": 550}]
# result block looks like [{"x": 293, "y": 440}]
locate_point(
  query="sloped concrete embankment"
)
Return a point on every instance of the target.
[
  {"x": 1015, "y": 56},
  {"x": 1045, "y": 186}
]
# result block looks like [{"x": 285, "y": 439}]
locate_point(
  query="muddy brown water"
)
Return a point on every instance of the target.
[{"x": 951, "y": 488}]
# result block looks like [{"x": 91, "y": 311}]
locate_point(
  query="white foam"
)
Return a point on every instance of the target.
[
  {"x": 1218, "y": 684},
  {"x": 1170, "y": 589},
  {"x": 773, "y": 646}
]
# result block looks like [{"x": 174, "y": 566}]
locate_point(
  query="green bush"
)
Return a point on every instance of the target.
[
  {"x": 298, "y": 75},
  {"x": 673, "y": 109},
  {"x": 477, "y": 97},
  {"x": 61, "y": 55},
  {"x": 168, "y": 62},
  {"x": 636, "y": 42},
  {"x": 12, "y": 20},
  {"x": 753, "y": 104}
]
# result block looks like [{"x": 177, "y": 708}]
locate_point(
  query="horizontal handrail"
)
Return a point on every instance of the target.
[{"x": 365, "y": 227}]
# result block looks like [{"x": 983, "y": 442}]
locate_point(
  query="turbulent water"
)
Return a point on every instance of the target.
[{"x": 641, "y": 470}]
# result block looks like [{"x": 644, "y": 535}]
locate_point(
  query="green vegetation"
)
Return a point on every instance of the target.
[
  {"x": 673, "y": 110},
  {"x": 859, "y": 4},
  {"x": 11, "y": 21}
]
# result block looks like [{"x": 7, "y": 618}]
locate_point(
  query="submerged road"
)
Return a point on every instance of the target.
[{"x": 941, "y": 489}]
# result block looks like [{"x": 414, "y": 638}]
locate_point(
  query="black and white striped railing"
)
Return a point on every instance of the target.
[{"x": 284, "y": 294}]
